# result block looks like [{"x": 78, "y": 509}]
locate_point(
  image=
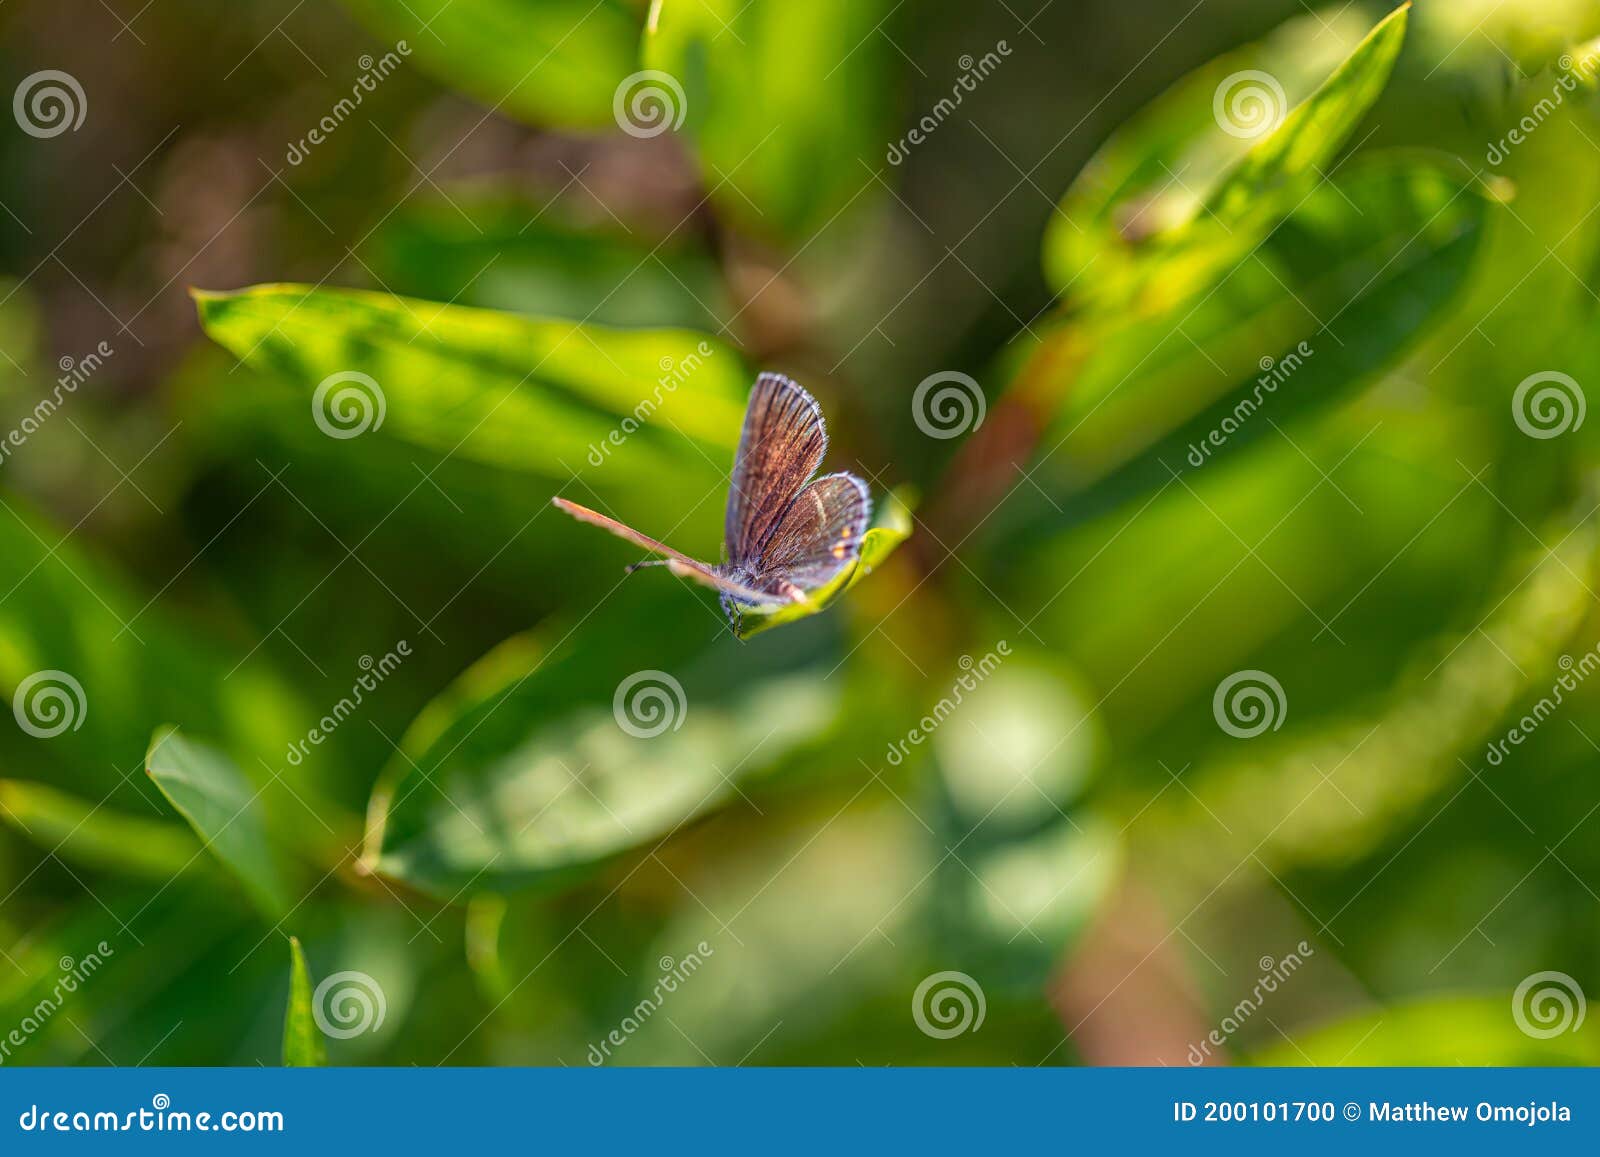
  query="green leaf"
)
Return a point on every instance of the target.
[
  {"x": 96, "y": 837},
  {"x": 788, "y": 104},
  {"x": 302, "y": 1039},
  {"x": 208, "y": 789},
  {"x": 496, "y": 248},
  {"x": 564, "y": 748},
  {"x": 1392, "y": 760},
  {"x": 1016, "y": 742},
  {"x": 893, "y": 527},
  {"x": 1338, "y": 292},
  {"x": 1181, "y": 193},
  {"x": 83, "y": 629},
  {"x": 1013, "y": 910},
  {"x": 1437, "y": 1031},
  {"x": 550, "y": 62},
  {"x": 543, "y": 396}
]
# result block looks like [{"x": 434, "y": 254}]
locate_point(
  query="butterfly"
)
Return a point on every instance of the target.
[{"x": 786, "y": 534}]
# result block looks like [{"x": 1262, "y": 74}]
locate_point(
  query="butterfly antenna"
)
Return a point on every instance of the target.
[{"x": 652, "y": 562}]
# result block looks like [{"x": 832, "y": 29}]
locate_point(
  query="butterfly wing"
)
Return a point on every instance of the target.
[
  {"x": 781, "y": 446},
  {"x": 819, "y": 535},
  {"x": 679, "y": 563}
]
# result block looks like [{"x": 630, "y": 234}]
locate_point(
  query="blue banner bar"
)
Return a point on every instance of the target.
[{"x": 737, "y": 1111}]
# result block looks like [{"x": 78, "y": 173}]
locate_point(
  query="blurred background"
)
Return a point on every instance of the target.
[{"x": 1227, "y": 703}]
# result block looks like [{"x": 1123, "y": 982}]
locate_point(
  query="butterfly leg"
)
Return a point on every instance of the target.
[{"x": 791, "y": 592}]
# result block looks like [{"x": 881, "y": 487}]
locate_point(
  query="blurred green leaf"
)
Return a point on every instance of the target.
[
  {"x": 302, "y": 1039},
  {"x": 787, "y": 104},
  {"x": 1016, "y": 741},
  {"x": 554, "y": 62},
  {"x": 1386, "y": 762},
  {"x": 893, "y": 527},
  {"x": 1012, "y": 911},
  {"x": 1193, "y": 182},
  {"x": 210, "y": 791},
  {"x": 495, "y": 248},
  {"x": 80, "y": 625},
  {"x": 815, "y": 918},
  {"x": 1339, "y": 291},
  {"x": 95, "y": 836},
  {"x": 1441, "y": 1031},
  {"x": 547, "y": 397},
  {"x": 558, "y": 751}
]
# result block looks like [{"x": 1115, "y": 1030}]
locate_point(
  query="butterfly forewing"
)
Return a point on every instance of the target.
[
  {"x": 820, "y": 534},
  {"x": 781, "y": 446}
]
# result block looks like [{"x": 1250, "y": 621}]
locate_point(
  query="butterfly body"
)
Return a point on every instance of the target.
[{"x": 786, "y": 533}]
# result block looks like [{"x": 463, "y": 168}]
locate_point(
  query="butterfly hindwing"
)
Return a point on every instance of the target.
[
  {"x": 820, "y": 534},
  {"x": 781, "y": 446}
]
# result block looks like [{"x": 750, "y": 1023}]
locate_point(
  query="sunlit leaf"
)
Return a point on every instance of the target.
[
  {"x": 302, "y": 1039},
  {"x": 628, "y": 408},
  {"x": 1193, "y": 183},
  {"x": 223, "y": 807}
]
